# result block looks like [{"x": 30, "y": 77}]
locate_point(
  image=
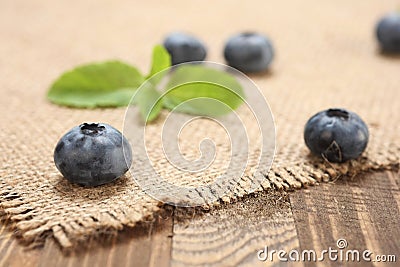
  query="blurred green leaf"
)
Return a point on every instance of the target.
[
  {"x": 161, "y": 60},
  {"x": 201, "y": 90},
  {"x": 107, "y": 84},
  {"x": 149, "y": 101}
]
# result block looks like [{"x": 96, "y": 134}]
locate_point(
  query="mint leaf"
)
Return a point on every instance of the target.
[
  {"x": 147, "y": 97},
  {"x": 149, "y": 101},
  {"x": 107, "y": 84},
  {"x": 161, "y": 60},
  {"x": 199, "y": 90}
]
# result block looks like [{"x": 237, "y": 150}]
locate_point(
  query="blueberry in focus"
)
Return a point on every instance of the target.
[
  {"x": 388, "y": 32},
  {"x": 249, "y": 52},
  {"x": 184, "y": 48},
  {"x": 337, "y": 135},
  {"x": 92, "y": 154}
]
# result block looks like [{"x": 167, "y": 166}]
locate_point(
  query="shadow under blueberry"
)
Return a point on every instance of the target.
[
  {"x": 75, "y": 192},
  {"x": 388, "y": 55},
  {"x": 262, "y": 74}
]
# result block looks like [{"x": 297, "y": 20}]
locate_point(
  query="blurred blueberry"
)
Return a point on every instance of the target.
[
  {"x": 92, "y": 154},
  {"x": 184, "y": 48},
  {"x": 388, "y": 32},
  {"x": 336, "y": 134},
  {"x": 249, "y": 52}
]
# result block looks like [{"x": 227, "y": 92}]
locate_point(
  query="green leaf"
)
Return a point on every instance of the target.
[
  {"x": 161, "y": 60},
  {"x": 147, "y": 98},
  {"x": 107, "y": 84},
  {"x": 149, "y": 101},
  {"x": 201, "y": 90}
]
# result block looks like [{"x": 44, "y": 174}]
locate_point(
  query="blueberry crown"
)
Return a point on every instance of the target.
[
  {"x": 336, "y": 112},
  {"x": 91, "y": 128}
]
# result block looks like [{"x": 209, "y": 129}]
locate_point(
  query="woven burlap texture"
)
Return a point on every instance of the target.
[{"x": 326, "y": 56}]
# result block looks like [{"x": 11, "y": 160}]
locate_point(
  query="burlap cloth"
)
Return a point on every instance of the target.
[{"x": 326, "y": 56}]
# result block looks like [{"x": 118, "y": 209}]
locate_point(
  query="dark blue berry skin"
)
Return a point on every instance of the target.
[
  {"x": 249, "y": 52},
  {"x": 184, "y": 48},
  {"x": 92, "y": 154},
  {"x": 388, "y": 33},
  {"x": 337, "y": 135}
]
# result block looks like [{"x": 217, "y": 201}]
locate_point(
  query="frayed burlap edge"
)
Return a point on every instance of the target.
[{"x": 19, "y": 210}]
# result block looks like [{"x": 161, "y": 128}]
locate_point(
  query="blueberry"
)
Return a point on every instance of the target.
[
  {"x": 92, "y": 154},
  {"x": 249, "y": 52},
  {"x": 388, "y": 32},
  {"x": 337, "y": 135},
  {"x": 184, "y": 48}
]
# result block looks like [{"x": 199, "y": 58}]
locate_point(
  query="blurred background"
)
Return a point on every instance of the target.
[{"x": 324, "y": 44}]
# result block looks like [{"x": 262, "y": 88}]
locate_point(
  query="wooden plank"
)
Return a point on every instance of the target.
[
  {"x": 148, "y": 244},
  {"x": 363, "y": 210},
  {"x": 231, "y": 235},
  {"x": 12, "y": 252}
]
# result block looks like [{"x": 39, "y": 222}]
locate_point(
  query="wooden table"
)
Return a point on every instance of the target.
[{"x": 363, "y": 210}]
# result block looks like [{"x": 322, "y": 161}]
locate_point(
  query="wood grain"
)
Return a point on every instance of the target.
[
  {"x": 148, "y": 244},
  {"x": 363, "y": 210},
  {"x": 12, "y": 252},
  {"x": 232, "y": 234}
]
